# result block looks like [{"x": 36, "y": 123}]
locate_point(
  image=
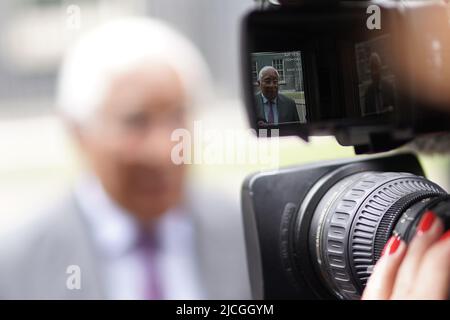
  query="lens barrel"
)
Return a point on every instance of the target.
[{"x": 355, "y": 218}]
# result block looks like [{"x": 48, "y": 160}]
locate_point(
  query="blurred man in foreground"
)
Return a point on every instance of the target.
[{"x": 133, "y": 228}]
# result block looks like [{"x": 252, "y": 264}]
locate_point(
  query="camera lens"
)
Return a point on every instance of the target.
[{"x": 354, "y": 219}]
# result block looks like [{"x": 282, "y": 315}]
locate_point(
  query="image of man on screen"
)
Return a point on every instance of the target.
[
  {"x": 273, "y": 107},
  {"x": 379, "y": 97}
]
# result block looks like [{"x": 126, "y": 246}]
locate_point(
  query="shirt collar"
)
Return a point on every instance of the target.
[
  {"x": 265, "y": 100},
  {"x": 115, "y": 231}
]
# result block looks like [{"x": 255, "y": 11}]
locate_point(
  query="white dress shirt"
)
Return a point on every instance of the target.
[{"x": 115, "y": 231}]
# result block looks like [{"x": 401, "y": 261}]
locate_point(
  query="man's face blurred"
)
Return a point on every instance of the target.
[
  {"x": 129, "y": 147},
  {"x": 269, "y": 84}
]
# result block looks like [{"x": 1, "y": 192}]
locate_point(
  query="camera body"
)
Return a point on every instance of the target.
[
  {"x": 316, "y": 231},
  {"x": 282, "y": 215}
]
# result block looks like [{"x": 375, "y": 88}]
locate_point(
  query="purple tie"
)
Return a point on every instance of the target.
[
  {"x": 271, "y": 113},
  {"x": 147, "y": 244}
]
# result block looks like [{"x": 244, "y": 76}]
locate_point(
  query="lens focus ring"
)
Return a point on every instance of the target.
[{"x": 352, "y": 215}]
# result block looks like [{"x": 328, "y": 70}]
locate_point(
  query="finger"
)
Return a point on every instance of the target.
[
  {"x": 428, "y": 231},
  {"x": 381, "y": 282},
  {"x": 433, "y": 280}
]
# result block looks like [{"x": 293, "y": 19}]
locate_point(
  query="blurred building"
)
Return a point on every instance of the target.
[{"x": 35, "y": 33}]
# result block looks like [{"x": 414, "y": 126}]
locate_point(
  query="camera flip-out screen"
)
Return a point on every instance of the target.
[
  {"x": 348, "y": 72},
  {"x": 278, "y": 87}
]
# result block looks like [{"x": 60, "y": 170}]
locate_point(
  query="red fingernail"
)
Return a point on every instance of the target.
[
  {"x": 391, "y": 246},
  {"x": 445, "y": 236},
  {"x": 426, "y": 222}
]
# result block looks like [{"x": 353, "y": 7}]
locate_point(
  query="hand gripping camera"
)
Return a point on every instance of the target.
[{"x": 376, "y": 75}]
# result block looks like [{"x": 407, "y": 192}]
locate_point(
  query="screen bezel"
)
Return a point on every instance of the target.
[{"x": 276, "y": 31}]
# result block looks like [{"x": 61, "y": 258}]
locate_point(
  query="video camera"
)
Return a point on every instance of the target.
[{"x": 375, "y": 75}]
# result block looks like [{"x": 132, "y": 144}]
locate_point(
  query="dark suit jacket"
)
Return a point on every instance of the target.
[
  {"x": 387, "y": 94},
  {"x": 287, "y": 110}
]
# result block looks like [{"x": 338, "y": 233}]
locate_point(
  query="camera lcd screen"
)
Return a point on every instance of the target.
[{"x": 278, "y": 87}]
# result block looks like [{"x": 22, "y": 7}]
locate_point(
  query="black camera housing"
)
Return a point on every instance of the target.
[
  {"x": 290, "y": 213},
  {"x": 326, "y": 36}
]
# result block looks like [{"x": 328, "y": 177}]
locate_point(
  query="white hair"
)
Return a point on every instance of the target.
[
  {"x": 265, "y": 69},
  {"x": 116, "y": 47}
]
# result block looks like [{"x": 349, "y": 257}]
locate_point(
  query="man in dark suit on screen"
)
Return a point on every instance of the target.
[{"x": 272, "y": 106}]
